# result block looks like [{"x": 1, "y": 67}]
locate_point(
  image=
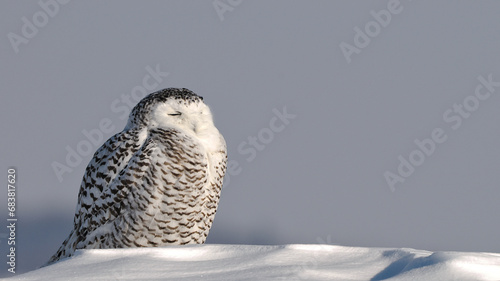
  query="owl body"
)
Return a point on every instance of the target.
[{"x": 156, "y": 183}]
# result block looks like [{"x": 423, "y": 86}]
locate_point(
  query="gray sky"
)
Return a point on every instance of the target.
[{"x": 361, "y": 87}]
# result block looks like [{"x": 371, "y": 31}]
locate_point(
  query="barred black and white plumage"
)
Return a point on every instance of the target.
[{"x": 156, "y": 183}]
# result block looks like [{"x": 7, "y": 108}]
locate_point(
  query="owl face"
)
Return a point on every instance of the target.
[
  {"x": 192, "y": 118},
  {"x": 179, "y": 109}
]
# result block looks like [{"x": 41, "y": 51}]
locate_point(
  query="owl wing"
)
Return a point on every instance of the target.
[
  {"x": 108, "y": 161},
  {"x": 105, "y": 165}
]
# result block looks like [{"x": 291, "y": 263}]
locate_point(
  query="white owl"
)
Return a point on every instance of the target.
[{"x": 156, "y": 183}]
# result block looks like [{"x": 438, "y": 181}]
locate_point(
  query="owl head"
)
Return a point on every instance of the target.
[{"x": 173, "y": 108}]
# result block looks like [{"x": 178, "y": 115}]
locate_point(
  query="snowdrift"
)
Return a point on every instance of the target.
[{"x": 287, "y": 262}]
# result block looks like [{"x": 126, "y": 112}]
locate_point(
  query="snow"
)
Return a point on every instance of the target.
[{"x": 286, "y": 262}]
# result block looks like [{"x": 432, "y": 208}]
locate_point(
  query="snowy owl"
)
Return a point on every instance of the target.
[{"x": 156, "y": 183}]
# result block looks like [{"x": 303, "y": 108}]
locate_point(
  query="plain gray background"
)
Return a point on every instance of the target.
[{"x": 318, "y": 180}]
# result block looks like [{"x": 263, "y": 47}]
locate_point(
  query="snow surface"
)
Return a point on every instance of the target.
[{"x": 287, "y": 262}]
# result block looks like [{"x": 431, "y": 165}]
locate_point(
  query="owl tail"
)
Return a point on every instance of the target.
[{"x": 66, "y": 250}]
